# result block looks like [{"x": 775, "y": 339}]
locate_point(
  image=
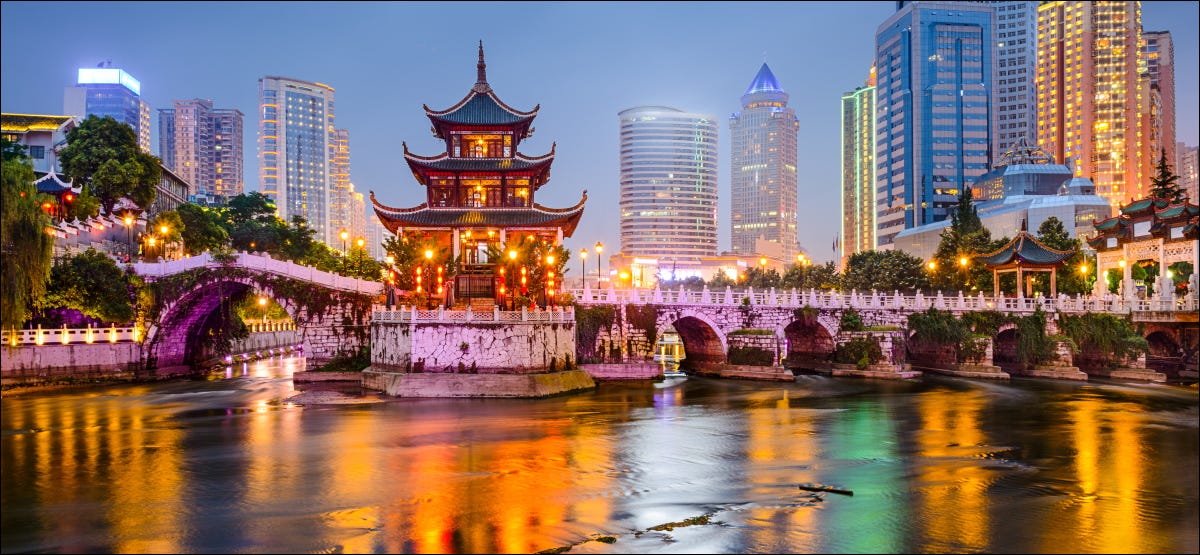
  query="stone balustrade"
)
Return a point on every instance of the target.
[{"x": 875, "y": 300}]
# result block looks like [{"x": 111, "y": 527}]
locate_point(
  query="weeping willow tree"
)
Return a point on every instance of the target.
[{"x": 26, "y": 250}]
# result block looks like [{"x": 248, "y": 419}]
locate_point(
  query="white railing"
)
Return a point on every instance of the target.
[
  {"x": 556, "y": 314},
  {"x": 285, "y": 268},
  {"x": 69, "y": 336},
  {"x": 875, "y": 300},
  {"x": 92, "y": 335}
]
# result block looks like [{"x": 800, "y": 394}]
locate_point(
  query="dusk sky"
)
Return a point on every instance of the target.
[{"x": 583, "y": 62}]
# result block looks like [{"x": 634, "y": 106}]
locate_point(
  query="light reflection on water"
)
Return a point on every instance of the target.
[{"x": 936, "y": 465}]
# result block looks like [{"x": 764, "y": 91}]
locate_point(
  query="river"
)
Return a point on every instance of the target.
[{"x": 938, "y": 464}]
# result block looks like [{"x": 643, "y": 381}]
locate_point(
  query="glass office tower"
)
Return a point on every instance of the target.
[{"x": 934, "y": 111}]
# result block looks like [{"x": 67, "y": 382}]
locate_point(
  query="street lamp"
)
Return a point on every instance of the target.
[
  {"x": 128, "y": 238},
  {"x": 344, "y": 235},
  {"x": 599, "y": 262},
  {"x": 163, "y": 229},
  {"x": 361, "y": 242},
  {"x": 262, "y": 304},
  {"x": 151, "y": 243},
  {"x": 583, "y": 262}
]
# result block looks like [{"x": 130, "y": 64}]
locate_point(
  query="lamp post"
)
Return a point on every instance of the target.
[
  {"x": 549, "y": 285},
  {"x": 128, "y": 238},
  {"x": 262, "y": 304},
  {"x": 962, "y": 263},
  {"x": 583, "y": 263},
  {"x": 599, "y": 262},
  {"x": 344, "y": 235},
  {"x": 150, "y": 242},
  {"x": 163, "y": 229}
]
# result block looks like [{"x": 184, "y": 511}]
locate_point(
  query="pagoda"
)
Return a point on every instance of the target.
[{"x": 480, "y": 191}]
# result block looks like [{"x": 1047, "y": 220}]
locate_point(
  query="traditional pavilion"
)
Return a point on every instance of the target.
[
  {"x": 1025, "y": 255},
  {"x": 480, "y": 191},
  {"x": 1147, "y": 230}
]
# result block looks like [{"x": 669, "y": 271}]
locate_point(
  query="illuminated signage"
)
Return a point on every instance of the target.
[{"x": 109, "y": 76}]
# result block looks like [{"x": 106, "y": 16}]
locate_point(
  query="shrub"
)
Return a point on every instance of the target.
[
  {"x": 852, "y": 321},
  {"x": 860, "y": 351},
  {"x": 751, "y": 356}
]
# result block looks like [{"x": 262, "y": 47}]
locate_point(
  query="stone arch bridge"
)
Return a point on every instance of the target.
[
  {"x": 331, "y": 312},
  {"x": 805, "y": 326}
]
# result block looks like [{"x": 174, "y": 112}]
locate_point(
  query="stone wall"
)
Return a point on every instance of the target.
[
  {"x": 621, "y": 372},
  {"x": 485, "y": 348},
  {"x": 38, "y": 364}
]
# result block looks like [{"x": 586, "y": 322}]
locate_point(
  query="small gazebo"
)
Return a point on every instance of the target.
[{"x": 1025, "y": 255}]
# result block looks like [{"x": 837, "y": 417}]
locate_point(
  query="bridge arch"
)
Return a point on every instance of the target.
[
  {"x": 810, "y": 342},
  {"x": 329, "y": 318},
  {"x": 183, "y": 326},
  {"x": 702, "y": 338}
]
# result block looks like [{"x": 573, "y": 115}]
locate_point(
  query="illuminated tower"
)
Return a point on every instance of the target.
[
  {"x": 108, "y": 91},
  {"x": 668, "y": 184},
  {"x": 296, "y": 139},
  {"x": 1090, "y": 93},
  {"x": 858, "y": 170},
  {"x": 763, "y": 171}
]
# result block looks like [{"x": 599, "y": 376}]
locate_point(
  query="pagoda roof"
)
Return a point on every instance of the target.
[
  {"x": 1025, "y": 249},
  {"x": 444, "y": 162},
  {"x": 50, "y": 183},
  {"x": 480, "y": 107},
  {"x": 1110, "y": 224},
  {"x": 503, "y": 217},
  {"x": 1142, "y": 207}
]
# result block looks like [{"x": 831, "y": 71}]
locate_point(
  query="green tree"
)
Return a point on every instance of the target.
[
  {"x": 1165, "y": 184},
  {"x": 103, "y": 153},
  {"x": 25, "y": 247},
  {"x": 92, "y": 283},
  {"x": 760, "y": 278},
  {"x": 1071, "y": 280},
  {"x": 201, "y": 228},
  {"x": 720, "y": 281},
  {"x": 964, "y": 239},
  {"x": 82, "y": 206},
  {"x": 885, "y": 271}
]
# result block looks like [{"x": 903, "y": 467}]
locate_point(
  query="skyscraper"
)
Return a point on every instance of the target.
[
  {"x": 1189, "y": 176},
  {"x": 1016, "y": 62},
  {"x": 1160, "y": 66},
  {"x": 341, "y": 191},
  {"x": 1091, "y": 93},
  {"x": 203, "y": 146},
  {"x": 763, "y": 171},
  {"x": 108, "y": 91},
  {"x": 934, "y": 111},
  {"x": 858, "y": 170},
  {"x": 668, "y": 184},
  {"x": 295, "y": 150}
]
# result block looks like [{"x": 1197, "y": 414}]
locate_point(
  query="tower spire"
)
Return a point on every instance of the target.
[{"x": 481, "y": 84}]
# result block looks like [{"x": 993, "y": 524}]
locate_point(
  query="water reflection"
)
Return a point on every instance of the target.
[{"x": 936, "y": 465}]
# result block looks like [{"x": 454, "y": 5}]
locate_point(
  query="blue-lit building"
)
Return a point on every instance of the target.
[
  {"x": 108, "y": 91},
  {"x": 935, "y": 116}
]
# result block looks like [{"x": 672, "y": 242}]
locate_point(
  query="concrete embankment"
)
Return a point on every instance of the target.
[{"x": 36, "y": 366}]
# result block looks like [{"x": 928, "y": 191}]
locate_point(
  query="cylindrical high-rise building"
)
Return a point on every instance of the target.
[{"x": 668, "y": 184}]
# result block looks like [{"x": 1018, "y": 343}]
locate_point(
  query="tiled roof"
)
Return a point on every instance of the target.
[
  {"x": 444, "y": 162},
  {"x": 480, "y": 109},
  {"x": 1139, "y": 206},
  {"x": 1025, "y": 248},
  {"x": 52, "y": 183},
  {"x": 424, "y": 216},
  {"x": 20, "y": 123}
]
